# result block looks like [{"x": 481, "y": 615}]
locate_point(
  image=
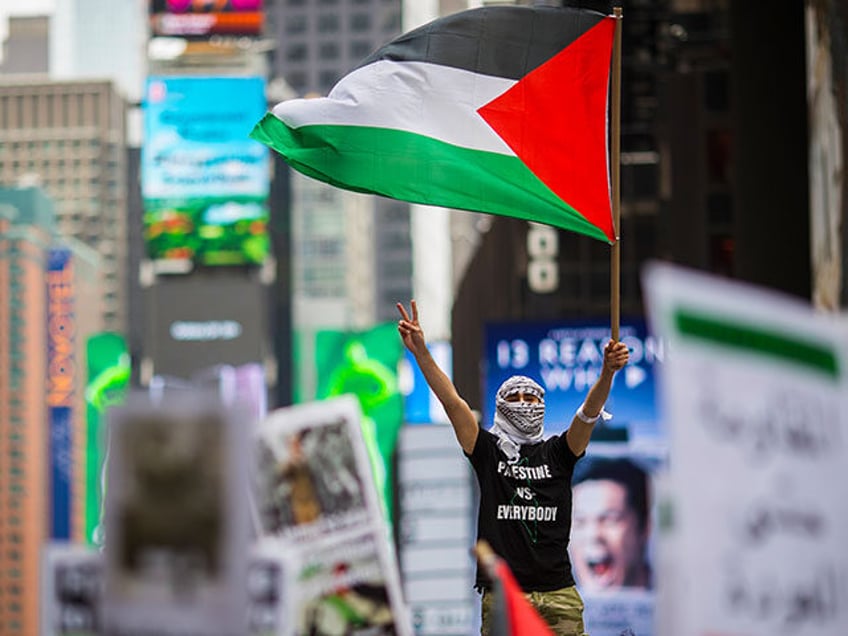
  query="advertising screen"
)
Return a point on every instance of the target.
[
  {"x": 108, "y": 369},
  {"x": 199, "y": 322},
  {"x": 204, "y": 182},
  {"x": 364, "y": 363},
  {"x": 203, "y": 18},
  {"x": 566, "y": 359},
  {"x": 613, "y": 537}
]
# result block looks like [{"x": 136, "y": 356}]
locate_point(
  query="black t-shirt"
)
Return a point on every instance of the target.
[{"x": 525, "y": 510}]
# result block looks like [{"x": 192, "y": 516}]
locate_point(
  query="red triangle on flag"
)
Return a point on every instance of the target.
[{"x": 555, "y": 120}]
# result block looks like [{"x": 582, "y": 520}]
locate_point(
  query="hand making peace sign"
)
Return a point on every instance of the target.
[{"x": 410, "y": 330}]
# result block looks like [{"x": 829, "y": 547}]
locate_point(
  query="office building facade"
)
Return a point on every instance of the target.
[
  {"x": 52, "y": 286},
  {"x": 26, "y": 234},
  {"x": 25, "y": 51},
  {"x": 351, "y": 267},
  {"x": 69, "y": 137}
]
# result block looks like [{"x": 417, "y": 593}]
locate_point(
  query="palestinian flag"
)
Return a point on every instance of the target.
[{"x": 498, "y": 109}]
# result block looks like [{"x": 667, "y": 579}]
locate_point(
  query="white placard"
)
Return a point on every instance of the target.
[
  {"x": 71, "y": 590},
  {"x": 177, "y": 519},
  {"x": 316, "y": 495},
  {"x": 755, "y": 523},
  {"x": 271, "y": 589}
]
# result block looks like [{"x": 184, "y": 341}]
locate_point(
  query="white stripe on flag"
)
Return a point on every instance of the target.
[{"x": 427, "y": 99}]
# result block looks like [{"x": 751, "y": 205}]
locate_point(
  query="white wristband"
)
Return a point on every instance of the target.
[{"x": 581, "y": 415}]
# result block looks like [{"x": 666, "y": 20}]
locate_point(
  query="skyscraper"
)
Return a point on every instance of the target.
[
  {"x": 69, "y": 137},
  {"x": 25, "y": 48},
  {"x": 359, "y": 253},
  {"x": 48, "y": 285},
  {"x": 97, "y": 39},
  {"x": 26, "y": 232}
]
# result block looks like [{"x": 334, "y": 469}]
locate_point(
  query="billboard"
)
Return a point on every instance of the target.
[
  {"x": 204, "y": 18},
  {"x": 107, "y": 381},
  {"x": 365, "y": 363},
  {"x": 205, "y": 320},
  {"x": 613, "y": 536},
  {"x": 420, "y": 404},
  {"x": 204, "y": 183},
  {"x": 566, "y": 357},
  {"x": 61, "y": 387}
]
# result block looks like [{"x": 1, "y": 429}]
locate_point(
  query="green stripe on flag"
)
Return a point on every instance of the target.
[
  {"x": 812, "y": 355},
  {"x": 411, "y": 167}
]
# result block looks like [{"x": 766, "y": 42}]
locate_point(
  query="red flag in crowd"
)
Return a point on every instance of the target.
[{"x": 512, "y": 613}]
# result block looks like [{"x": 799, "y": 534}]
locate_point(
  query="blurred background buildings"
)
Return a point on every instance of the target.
[{"x": 733, "y": 147}]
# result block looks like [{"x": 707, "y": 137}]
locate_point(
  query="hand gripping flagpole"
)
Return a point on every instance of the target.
[{"x": 615, "y": 129}]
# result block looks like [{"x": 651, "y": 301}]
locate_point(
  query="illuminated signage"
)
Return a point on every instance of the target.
[
  {"x": 566, "y": 358},
  {"x": 205, "y": 331},
  {"x": 206, "y": 320},
  {"x": 61, "y": 377},
  {"x": 204, "y": 183},
  {"x": 204, "y": 18}
]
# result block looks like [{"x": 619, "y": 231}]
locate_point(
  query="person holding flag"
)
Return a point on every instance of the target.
[
  {"x": 506, "y": 110},
  {"x": 524, "y": 479}
]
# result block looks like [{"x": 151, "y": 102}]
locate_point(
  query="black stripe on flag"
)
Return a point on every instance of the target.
[{"x": 502, "y": 41}]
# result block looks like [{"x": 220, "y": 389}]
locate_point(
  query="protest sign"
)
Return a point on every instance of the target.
[
  {"x": 176, "y": 517},
  {"x": 270, "y": 590},
  {"x": 753, "y": 523},
  {"x": 71, "y": 590},
  {"x": 315, "y": 493}
]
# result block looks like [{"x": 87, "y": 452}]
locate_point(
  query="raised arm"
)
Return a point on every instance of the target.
[
  {"x": 578, "y": 434},
  {"x": 461, "y": 417}
]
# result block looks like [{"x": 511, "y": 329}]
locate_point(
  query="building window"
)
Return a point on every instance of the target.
[
  {"x": 296, "y": 24},
  {"x": 327, "y": 80},
  {"x": 721, "y": 254},
  {"x": 20, "y": 113},
  {"x": 391, "y": 22},
  {"x": 297, "y": 80},
  {"x": 328, "y": 51},
  {"x": 296, "y": 53},
  {"x": 328, "y": 23},
  {"x": 719, "y": 143},
  {"x": 360, "y": 49},
  {"x": 360, "y": 22},
  {"x": 65, "y": 106},
  {"x": 720, "y": 209},
  {"x": 716, "y": 91}
]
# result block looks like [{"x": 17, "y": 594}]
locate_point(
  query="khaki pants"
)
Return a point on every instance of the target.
[{"x": 561, "y": 609}]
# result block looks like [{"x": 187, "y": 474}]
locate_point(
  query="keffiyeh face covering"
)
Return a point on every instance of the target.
[{"x": 518, "y": 423}]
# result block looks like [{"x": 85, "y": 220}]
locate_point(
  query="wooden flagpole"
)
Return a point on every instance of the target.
[{"x": 615, "y": 131}]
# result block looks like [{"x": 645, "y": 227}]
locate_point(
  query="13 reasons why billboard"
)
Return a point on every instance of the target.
[
  {"x": 204, "y": 183},
  {"x": 566, "y": 359}
]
